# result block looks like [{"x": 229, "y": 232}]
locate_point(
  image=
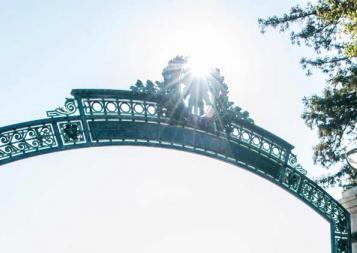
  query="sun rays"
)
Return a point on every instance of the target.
[
  {"x": 199, "y": 67},
  {"x": 196, "y": 85}
]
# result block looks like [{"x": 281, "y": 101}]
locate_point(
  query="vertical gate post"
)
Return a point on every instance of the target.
[{"x": 349, "y": 201}]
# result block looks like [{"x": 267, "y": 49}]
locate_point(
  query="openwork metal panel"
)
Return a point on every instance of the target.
[
  {"x": 23, "y": 140},
  {"x": 110, "y": 117}
]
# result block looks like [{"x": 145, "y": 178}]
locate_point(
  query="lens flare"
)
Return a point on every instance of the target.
[{"x": 199, "y": 67}]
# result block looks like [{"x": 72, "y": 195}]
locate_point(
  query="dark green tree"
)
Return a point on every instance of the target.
[{"x": 330, "y": 28}]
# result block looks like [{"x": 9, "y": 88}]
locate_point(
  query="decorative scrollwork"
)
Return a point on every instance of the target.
[
  {"x": 291, "y": 179},
  {"x": 342, "y": 245},
  {"x": 69, "y": 108},
  {"x": 27, "y": 139},
  {"x": 292, "y": 162},
  {"x": 341, "y": 224},
  {"x": 323, "y": 202},
  {"x": 71, "y": 132}
]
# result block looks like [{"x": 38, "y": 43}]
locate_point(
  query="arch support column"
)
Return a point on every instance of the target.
[{"x": 349, "y": 201}]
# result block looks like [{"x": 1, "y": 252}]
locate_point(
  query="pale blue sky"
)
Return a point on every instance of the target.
[{"x": 97, "y": 200}]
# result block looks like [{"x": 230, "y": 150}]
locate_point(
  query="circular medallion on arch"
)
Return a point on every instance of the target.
[
  {"x": 151, "y": 110},
  {"x": 139, "y": 108},
  {"x": 125, "y": 108},
  {"x": 111, "y": 107},
  {"x": 97, "y": 106}
]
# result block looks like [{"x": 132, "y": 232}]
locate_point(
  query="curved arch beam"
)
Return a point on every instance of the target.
[{"x": 110, "y": 117}]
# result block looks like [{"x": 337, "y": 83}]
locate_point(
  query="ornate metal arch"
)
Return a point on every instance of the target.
[{"x": 93, "y": 118}]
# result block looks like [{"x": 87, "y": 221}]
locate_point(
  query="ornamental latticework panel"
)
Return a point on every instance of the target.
[{"x": 25, "y": 140}]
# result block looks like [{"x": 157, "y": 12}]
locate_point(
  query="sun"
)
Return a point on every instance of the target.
[{"x": 199, "y": 66}]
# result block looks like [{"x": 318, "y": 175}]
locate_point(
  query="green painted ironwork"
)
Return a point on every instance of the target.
[{"x": 158, "y": 115}]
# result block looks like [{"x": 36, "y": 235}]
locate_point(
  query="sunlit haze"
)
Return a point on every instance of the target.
[{"x": 200, "y": 66}]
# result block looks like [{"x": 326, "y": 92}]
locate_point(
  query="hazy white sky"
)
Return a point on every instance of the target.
[{"x": 140, "y": 199}]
